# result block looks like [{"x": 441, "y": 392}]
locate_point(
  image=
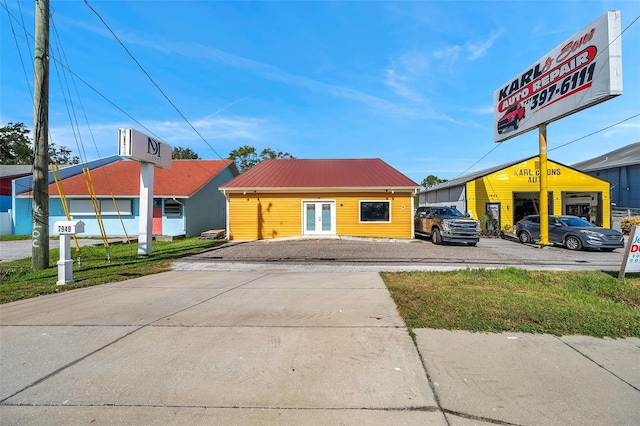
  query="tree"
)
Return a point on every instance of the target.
[
  {"x": 16, "y": 147},
  {"x": 431, "y": 180},
  {"x": 61, "y": 155},
  {"x": 180, "y": 153},
  {"x": 246, "y": 156}
]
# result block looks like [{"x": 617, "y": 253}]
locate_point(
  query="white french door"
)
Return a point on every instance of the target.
[{"x": 318, "y": 217}]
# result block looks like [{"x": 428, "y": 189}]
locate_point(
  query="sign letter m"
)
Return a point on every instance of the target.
[{"x": 153, "y": 147}]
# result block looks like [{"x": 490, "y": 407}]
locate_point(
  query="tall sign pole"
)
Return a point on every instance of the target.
[
  {"x": 544, "y": 188},
  {"x": 583, "y": 71},
  {"x": 40, "y": 231},
  {"x": 150, "y": 153},
  {"x": 145, "y": 222}
]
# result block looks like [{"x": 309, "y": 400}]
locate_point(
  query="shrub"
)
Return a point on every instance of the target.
[
  {"x": 490, "y": 225},
  {"x": 628, "y": 222}
]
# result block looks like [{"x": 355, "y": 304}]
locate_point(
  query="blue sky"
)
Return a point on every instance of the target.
[{"x": 409, "y": 82}]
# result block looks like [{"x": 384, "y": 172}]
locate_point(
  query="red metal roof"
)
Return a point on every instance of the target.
[
  {"x": 338, "y": 173},
  {"x": 122, "y": 178}
]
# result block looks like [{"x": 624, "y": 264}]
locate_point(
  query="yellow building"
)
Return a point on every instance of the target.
[
  {"x": 347, "y": 197},
  {"x": 511, "y": 191}
]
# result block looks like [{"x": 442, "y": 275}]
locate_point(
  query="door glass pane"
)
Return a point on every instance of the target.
[
  {"x": 311, "y": 217},
  {"x": 326, "y": 217}
]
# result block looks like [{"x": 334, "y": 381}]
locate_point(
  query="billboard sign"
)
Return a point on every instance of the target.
[
  {"x": 583, "y": 71},
  {"x": 140, "y": 147}
]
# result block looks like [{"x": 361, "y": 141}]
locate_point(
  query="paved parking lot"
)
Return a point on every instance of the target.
[
  {"x": 360, "y": 254},
  {"x": 377, "y": 254}
]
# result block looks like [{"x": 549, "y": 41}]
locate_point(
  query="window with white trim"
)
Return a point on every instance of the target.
[
  {"x": 84, "y": 207},
  {"x": 172, "y": 208}
]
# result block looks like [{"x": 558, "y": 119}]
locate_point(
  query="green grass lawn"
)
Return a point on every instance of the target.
[
  {"x": 561, "y": 303},
  {"x": 19, "y": 281},
  {"x": 517, "y": 300}
]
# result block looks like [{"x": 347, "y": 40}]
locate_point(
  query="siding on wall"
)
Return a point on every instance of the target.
[
  {"x": 206, "y": 209},
  {"x": 449, "y": 197},
  {"x": 625, "y": 191},
  {"x": 523, "y": 177},
  {"x": 266, "y": 216},
  {"x": 113, "y": 224}
]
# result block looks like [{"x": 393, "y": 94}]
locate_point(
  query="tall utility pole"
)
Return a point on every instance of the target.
[{"x": 40, "y": 232}]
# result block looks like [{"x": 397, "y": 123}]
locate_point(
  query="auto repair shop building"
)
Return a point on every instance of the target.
[{"x": 511, "y": 191}]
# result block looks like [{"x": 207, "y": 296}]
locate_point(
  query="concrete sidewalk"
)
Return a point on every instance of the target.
[{"x": 256, "y": 348}]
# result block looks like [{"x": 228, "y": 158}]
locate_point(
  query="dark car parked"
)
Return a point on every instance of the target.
[{"x": 570, "y": 231}]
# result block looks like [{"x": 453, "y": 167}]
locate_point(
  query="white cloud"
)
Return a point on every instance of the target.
[
  {"x": 404, "y": 73},
  {"x": 101, "y": 141},
  {"x": 483, "y": 110},
  {"x": 478, "y": 50},
  {"x": 401, "y": 85},
  {"x": 628, "y": 125},
  {"x": 398, "y": 83},
  {"x": 400, "y": 80},
  {"x": 450, "y": 53},
  {"x": 448, "y": 57}
]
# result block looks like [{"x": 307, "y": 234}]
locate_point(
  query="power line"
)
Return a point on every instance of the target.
[
  {"x": 598, "y": 55},
  {"x": 593, "y": 133},
  {"x": 483, "y": 157},
  {"x": 151, "y": 79},
  {"x": 557, "y": 147},
  {"x": 68, "y": 104},
  {"x": 583, "y": 137},
  {"x": 54, "y": 58},
  {"x": 15, "y": 37}
]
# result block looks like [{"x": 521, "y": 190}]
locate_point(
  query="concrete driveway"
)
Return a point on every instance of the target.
[
  {"x": 214, "y": 348},
  {"x": 301, "y": 338},
  {"x": 255, "y": 348}
]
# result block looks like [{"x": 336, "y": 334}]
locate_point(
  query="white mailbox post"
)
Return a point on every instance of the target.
[{"x": 66, "y": 228}]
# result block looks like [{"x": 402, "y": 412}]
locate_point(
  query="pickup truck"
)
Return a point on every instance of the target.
[
  {"x": 511, "y": 118},
  {"x": 446, "y": 224}
]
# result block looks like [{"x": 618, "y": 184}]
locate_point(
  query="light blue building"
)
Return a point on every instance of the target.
[{"x": 186, "y": 198}]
